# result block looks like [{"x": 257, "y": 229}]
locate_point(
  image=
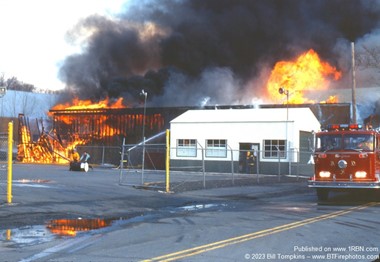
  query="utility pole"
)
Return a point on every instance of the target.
[
  {"x": 284, "y": 91},
  {"x": 145, "y": 94},
  {"x": 353, "y": 84}
]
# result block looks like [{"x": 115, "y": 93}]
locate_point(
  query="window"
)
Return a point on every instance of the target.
[
  {"x": 187, "y": 147},
  {"x": 216, "y": 148},
  {"x": 357, "y": 142},
  {"x": 274, "y": 149},
  {"x": 327, "y": 142}
]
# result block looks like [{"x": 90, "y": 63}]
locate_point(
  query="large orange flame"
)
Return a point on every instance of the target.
[
  {"x": 306, "y": 72},
  {"x": 49, "y": 149},
  {"x": 78, "y": 104},
  {"x": 88, "y": 104}
]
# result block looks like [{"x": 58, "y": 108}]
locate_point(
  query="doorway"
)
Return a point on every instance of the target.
[{"x": 248, "y": 157}]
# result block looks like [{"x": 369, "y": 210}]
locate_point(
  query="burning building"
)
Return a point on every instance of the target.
[
  {"x": 89, "y": 124},
  {"x": 105, "y": 126},
  {"x": 106, "y": 123},
  {"x": 109, "y": 126}
]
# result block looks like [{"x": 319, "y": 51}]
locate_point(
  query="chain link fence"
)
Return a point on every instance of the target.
[
  {"x": 144, "y": 166},
  {"x": 3, "y": 164},
  {"x": 107, "y": 156},
  {"x": 144, "y": 163}
]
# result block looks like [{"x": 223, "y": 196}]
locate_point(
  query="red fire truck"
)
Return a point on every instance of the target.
[{"x": 346, "y": 157}]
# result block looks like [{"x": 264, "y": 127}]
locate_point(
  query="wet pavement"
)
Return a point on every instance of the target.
[{"x": 51, "y": 203}]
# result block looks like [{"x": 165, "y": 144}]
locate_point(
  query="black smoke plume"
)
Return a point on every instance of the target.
[{"x": 193, "y": 52}]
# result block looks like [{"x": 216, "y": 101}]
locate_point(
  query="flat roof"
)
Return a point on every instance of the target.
[{"x": 245, "y": 115}]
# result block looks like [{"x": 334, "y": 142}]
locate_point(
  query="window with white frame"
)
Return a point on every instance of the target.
[
  {"x": 275, "y": 148},
  {"x": 216, "y": 148},
  {"x": 187, "y": 147}
]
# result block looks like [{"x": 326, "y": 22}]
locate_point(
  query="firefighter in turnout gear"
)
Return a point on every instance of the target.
[
  {"x": 74, "y": 164},
  {"x": 75, "y": 156},
  {"x": 251, "y": 159}
]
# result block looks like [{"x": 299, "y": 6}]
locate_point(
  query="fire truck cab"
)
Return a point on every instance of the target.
[{"x": 346, "y": 157}]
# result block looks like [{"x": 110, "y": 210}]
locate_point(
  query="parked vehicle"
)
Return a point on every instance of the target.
[{"x": 346, "y": 157}]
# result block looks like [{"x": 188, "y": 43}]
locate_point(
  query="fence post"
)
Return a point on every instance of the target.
[
  {"x": 167, "y": 161},
  {"x": 121, "y": 161},
  {"x": 232, "y": 166},
  {"x": 103, "y": 155},
  {"x": 279, "y": 164},
  {"x": 143, "y": 161},
  {"x": 257, "y": 166},
  {"x": 298, "y": 162},
  {"x": 9, "y": 234},
  {"x": 10, "y": 153},
  {"x": 203, "y": 167}
]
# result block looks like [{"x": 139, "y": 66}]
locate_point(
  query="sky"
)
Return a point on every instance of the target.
[{"x": 33, "y": 32}]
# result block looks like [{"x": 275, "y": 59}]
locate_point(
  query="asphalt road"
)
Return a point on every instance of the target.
[{"x": 265, "y": 221}]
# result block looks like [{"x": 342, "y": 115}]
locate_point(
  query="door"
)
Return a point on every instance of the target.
[{"x": 249, "y": 157}]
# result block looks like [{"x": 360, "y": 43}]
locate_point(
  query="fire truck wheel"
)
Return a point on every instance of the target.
[{"x": 322, "y": 194}]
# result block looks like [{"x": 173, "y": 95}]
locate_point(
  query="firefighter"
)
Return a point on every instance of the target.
[
  {"x": 250, "y": 161},
  {"x": 85, "y": 157},
  {"x": 74, "y": 164},
  {"x": 75, "y": 156}
]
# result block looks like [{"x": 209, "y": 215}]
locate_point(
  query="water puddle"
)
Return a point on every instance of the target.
[
  {"x": 37, "y": 181},
  {"x": 26, "y": 236},
  {"x": 38, "y": 234},
  {"x": 200, "y": 207},
  {"x": 71, "y": 228},
  {"x": 41, "y": 183}
]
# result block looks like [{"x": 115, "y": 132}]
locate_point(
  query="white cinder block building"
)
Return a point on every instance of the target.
[{"x": 222, "y": 138}]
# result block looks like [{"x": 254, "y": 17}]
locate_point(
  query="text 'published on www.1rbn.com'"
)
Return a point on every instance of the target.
[{"x": 349, "y": 253}]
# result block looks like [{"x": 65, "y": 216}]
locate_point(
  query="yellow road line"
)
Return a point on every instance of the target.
[{"x": 239, "y": 239}]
